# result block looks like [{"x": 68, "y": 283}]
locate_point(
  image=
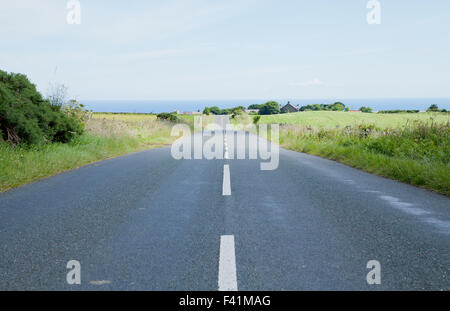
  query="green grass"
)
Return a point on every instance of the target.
[
  {"x": 331, "y": 119},
  {"x": 105, "y": 137},
  {"x": 417, "y": 153}
]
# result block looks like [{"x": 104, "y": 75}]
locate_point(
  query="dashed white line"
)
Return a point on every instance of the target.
[
  {"x": 226, "y": 186},
  {"x": 227, "y": 264}
]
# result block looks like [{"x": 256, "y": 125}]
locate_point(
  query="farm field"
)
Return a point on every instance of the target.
[{"x": 330, "y": 119}]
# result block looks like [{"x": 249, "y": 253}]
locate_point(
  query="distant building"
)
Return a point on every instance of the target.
[
  {"x": 355, "y": 111},
  {"x": 289, "y": 108},
  {"x": 176, "y": 111}
]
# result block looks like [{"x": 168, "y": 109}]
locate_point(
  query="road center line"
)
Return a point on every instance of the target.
[
  {"x": 227, "y": 264},
  {"x": 226, "y": 186}
]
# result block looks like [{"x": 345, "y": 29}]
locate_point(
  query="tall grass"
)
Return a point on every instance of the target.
[
  {"x": 417, "y": 152},
  {"x": 104, "y": 138}
]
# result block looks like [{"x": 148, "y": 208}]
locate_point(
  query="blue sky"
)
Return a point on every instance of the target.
[{"x": 234, "y": 49}]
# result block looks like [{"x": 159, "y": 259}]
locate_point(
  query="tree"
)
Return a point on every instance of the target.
[
  {"x": 214, "y": 110},
  {"x": 168, "y": 117},
  {"x": 365, "y": 109},
  {"x": 207, "y": 111},
  {"x": 433, "y": 108},
  {"x": 337, "y": 106},
  {"x": 238, "y": 109},
  {"x": 255, "y": 106},
  {"x": 271, "y": 107}
]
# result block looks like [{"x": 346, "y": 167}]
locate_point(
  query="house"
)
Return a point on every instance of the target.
[
  {"x": 355, "y": 111},
  {"x": 289, "y": 108}
]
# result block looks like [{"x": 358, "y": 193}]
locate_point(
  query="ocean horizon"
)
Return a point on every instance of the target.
[{"x": 157, "y": 106}]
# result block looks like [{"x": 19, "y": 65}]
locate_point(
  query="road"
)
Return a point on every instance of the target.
[{"x": 146, "y": 221}]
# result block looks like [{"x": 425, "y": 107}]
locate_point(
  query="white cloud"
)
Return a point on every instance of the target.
[{"x": 313, "y": 82}]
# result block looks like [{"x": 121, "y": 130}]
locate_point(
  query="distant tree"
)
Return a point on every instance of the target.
[
  {"x": 347, "y": 109},
  {"x": 225, "y": 111},
  {"x": 271, "y": 107},
  {"x": 337, "y": 106},
  {"x": 214, "y": 110},
  {"x": 238, "y": 109},
  {"x": 365, "y": 109},
  {"x": 433, "y": 108},
  {"x": 255, "y": 106},
  {"x": 207, "y": 111},
  {"x": 168, "y": 117},
  {"x": 256, "y": 119}
]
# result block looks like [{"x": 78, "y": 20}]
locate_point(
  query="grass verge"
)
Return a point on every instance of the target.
[
  {"x": 104, "y": 138},
  {"x": 417, "y": 153}
]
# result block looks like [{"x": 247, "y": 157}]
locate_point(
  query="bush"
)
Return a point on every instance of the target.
[
  {"x": 25, "y": 117},
  {"x": 365, "y": 109},
  {"x": 207, "y": 111},
  {"x": 271, "y": 107},
  {"x": 398, "y": 111},
  {"x": 168, "y": 117},
  {"x": 337, "y": 106},
  {"x": 255, "y": 106}
]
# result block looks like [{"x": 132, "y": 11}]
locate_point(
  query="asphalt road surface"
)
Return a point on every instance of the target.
[{"x": 149, "y": 222}]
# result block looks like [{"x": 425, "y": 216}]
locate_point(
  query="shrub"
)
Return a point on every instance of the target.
[
  {"x": 214, "y": 110},
  {"x": 255, "y": 106},
  {"x": 26, "y": 117},
  {"x": 207, "y": 111},
  {"x": 337, "y": 106},
  {"x": 398, "y": 111},
  {"x": 365, "y": 109},
  {"x": 270, "y": 107},
  {"x": 168, "y": 117}
]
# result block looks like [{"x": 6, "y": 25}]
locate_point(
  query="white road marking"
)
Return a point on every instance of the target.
[
  {"x": 102, "y": 282},
  {"x": 227, "y": 264},
  {"x": 226, "y": 186}
]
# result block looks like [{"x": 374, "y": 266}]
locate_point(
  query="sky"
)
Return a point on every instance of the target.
[{"x": 233, "y": 49}]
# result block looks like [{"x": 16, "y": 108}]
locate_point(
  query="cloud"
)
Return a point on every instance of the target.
[{"x": 313, "y": 82}]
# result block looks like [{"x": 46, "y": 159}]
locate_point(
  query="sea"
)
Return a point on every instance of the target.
[{"x": 157, "y": 106}]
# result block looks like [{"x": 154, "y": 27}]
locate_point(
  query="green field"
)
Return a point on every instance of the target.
[
  {"x": 412, "y": 148},
  {"x": 330, "y": 119}
]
